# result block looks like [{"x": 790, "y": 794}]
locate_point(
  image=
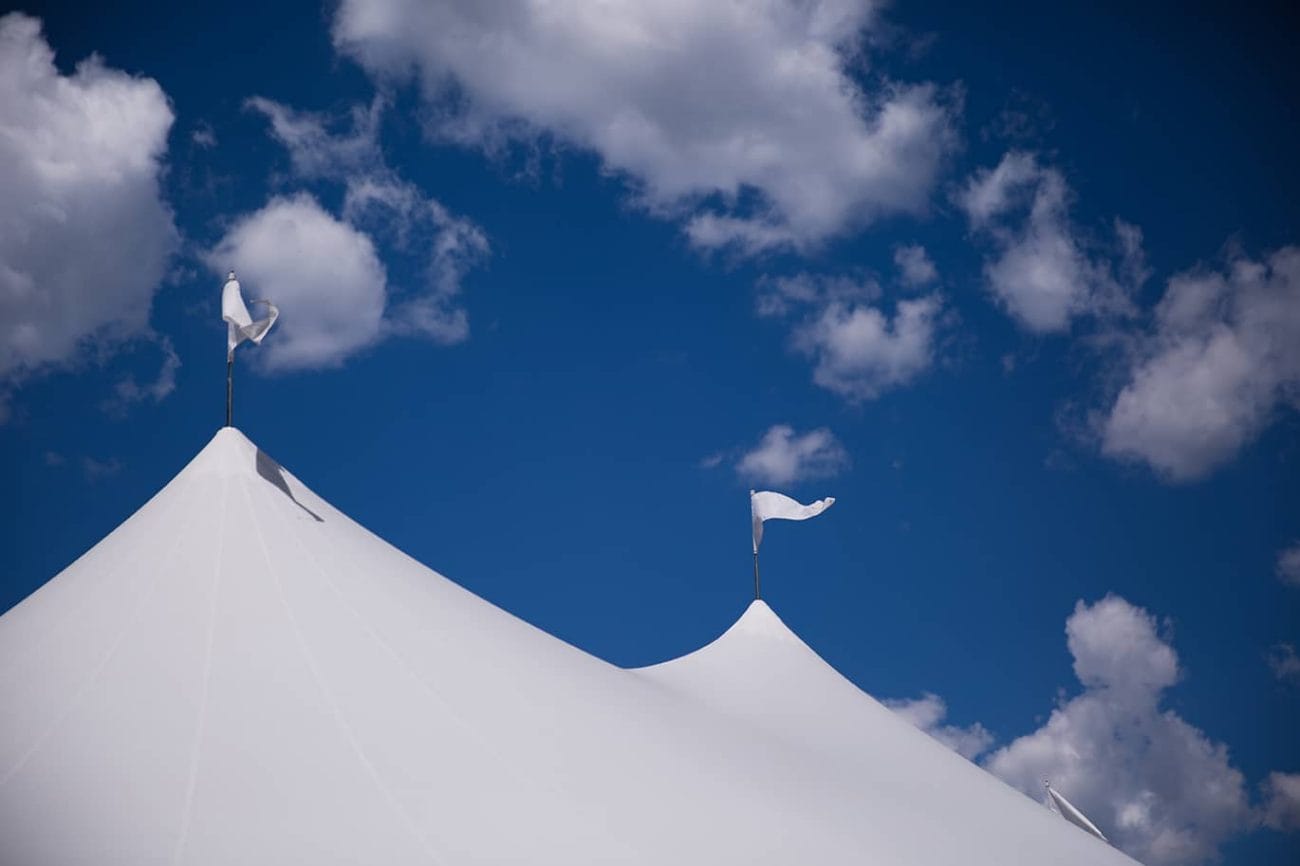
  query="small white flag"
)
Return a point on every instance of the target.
[
  {"x": 1057, "y": 803},
  {"x": 241, "y": 325},
  {"x": 766, "y": 505}
]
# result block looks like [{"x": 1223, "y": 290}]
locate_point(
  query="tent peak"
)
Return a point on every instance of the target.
[
  {"x": 761, "y": 622},
  {"x": 229, "y": 452}
]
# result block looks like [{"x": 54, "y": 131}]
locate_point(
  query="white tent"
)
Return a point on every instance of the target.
[{"x": 239, "y": 674}]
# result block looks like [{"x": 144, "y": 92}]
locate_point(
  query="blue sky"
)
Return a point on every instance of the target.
[{"x": 1020, "y": 287}]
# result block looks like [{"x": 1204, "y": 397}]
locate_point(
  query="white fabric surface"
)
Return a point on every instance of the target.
[
  {"x": 766, "y": 505},
  {"x": 239, "y": 674}
]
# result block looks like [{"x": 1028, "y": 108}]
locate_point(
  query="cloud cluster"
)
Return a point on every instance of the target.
[
  {"x": 1219, "y": 360},
  {"x": 743, "y": 119},
  {"x": 784, "y": 457},
  {"x": 928, "y": 713},
  {"x": 1043, "y": 272},
  {"x": 1222, "y": 358},
  {"x": 315, "y": 151},
  {"x": 454, "y": 246},
  {"x": 1288, "y": 565},
  {"x": 915, "y": 268},
  {"x": 1282, "y": 802},
  {"x": 127, "y": 392},
  {"x": 97, "y": 470},
  {"x": 324, "y": 270},
  {"x": 85, "y": 235},
  {"x": 858, "y": 349},
  {"x": 1156, "y": 785},
  {"x": 1284, "y": 662}
]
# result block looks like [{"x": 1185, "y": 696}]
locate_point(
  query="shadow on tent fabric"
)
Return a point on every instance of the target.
[{"x": 271, "y": 471}]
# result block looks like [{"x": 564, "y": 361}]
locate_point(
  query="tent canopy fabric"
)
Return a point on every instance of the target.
[{"x": 241, "y": 674}]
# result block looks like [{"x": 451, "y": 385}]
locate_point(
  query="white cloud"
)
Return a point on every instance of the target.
[
  {"x": 96, "y": 470},
  {"x": 740, "y": 118},
  {"x": 315, "y": 151},
  {"x": 1284, "y": 662},
  {"x": 784, "y": 457},
  {"x": 204, "y": 136},
  {"x": 1160, "y": 788},
  {"x": 928, "y": 712},
  {"x": 1222, "y": 358},
  {"x": 84, "y": 233},
  {"x": 1044, "y": 274},
  {"x": 781, "y": 296},
  {"x": 381, "y": 204},
  {"x": 1116, "y": 646},
  {"x": 1282, "y": 801},
  {"x": 713, "y": 461},
  {"x": 455, "y": 244},
  {"x": 859, "y": 351},
  {"x": 322, "y": 273},
  {"x": 1288, "y": 565},
  {"x": 914, "y": 266},
  {"x": 128, "y": 391}
]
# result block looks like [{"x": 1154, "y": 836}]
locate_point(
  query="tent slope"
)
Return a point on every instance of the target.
[{"x": 241, "y": 674}]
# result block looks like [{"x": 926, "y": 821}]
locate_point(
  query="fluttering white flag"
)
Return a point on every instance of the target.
[
  {"x": 1057, "y": 803},
  {"x": 240, "y": 325},
  {"x": 766, "y": 505}
]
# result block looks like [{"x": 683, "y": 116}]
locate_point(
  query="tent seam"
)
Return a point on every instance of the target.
[
  {"x": 201, "y": 725},
  {"x": 99, "y": 669},
  {"x": 410, "y": 670},
  {"x": 39, "y": 645},
  {"x": 318, "y": 677}
]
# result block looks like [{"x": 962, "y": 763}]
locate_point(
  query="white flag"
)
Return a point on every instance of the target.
[
  {"x": 1067, "y": 810},
  {"x": 240, "y": 325},
  {"x": 766, "y": 505}
]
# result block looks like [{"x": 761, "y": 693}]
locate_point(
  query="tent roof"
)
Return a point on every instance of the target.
[{"x": 241, "y": 674}]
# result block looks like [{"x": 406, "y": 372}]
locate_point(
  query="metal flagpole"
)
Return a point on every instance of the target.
[
  {"x": 757, "y": 526},
  {"x": 230, "y": 386}
]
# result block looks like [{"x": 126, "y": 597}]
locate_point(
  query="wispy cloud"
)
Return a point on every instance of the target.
[
  {"x": 1288, "y": 565},
  {"x": 322, "y": 146},
  {"x": 1284, "y": 662},
  {"x": 1044, "y": 272},
  {"x": 1282, "y": 801},
  {"x": 204, "y": 136},
  {"x": 455, "y": 247},
  {"x": 915, "y": 269},
  {"x": 928, "y": 713},
  {"x": 127, "y": 392},
  {"x": 97, "y": 470}
]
